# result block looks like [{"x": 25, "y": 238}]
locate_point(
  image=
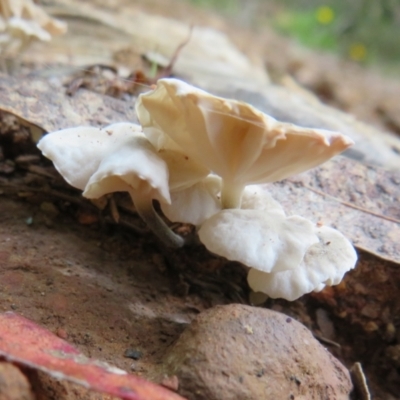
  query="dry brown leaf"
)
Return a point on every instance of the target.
[
  {"x": 44, "y": 105},
  {"x": 361, "y": 201}
]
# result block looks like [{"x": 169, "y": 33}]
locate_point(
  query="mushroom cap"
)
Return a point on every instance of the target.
[
  {"x": 77, "y": 152},
  {"x": 231, "y": 138},
  {"x": 267, "y": 241},
  {"x": 99, "y": 161},
  {"x": 183, "y": 171},
  {"x": 22, "y": 28},
  {"x": 324, "y": 263},
  {"x": 132, "y": 165},
  {"x": 287, "y": 256}
]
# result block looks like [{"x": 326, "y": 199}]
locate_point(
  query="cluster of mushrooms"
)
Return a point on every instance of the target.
[{"x": 203, "y": 159}]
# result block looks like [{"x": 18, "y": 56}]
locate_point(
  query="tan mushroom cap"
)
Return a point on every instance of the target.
[
  {"x": 183, "y": 171},
  {"x": 231, "y": 138}
]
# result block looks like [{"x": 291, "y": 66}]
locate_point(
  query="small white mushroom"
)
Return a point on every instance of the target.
[
  {"x": 324, "y": 264},
  {"x": 231, "y": 138},
  {"x": 29, "y": 11},
  {"x": 288, "y": 256},
  {"x": 23, "y": 21},
  {"x": 265, "y": 240},
  {"x": 26, "y": 31},
  {"x": 115, "y": 158}
]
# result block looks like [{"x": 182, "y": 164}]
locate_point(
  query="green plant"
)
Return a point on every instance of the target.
[{"x": 363, "y": 30}]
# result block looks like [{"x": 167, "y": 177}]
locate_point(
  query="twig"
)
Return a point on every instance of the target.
[
  {"x": 167, "y": 71},
  {"x": 327, "y": 341},
  {"x": 36, "y": 169}
]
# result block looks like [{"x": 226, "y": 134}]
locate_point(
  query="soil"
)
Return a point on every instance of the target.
[{"x": 112, "y": 290}]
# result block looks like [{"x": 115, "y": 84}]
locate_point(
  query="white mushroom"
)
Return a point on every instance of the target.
[
  {"x": 21, "y": 22},
  {"x": 29, "y": 11},
  {"x": 256, "y": 198},
  {"x": 265, "y": 240},
  {"x": 193, "y": 205},
  {"x": 115, "y": 158},
  {"x": 202, "y": 200},
  {"x": 324, "y": 264},
  {"x": 231, "y": 138},
  {"x": 288, "y": 256}
]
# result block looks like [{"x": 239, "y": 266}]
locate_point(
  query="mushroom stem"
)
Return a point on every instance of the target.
[
  {"x": 144, "y": 206},
  {"x": 231, "y": 195}
]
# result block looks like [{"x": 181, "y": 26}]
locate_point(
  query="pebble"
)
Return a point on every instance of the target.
[
  {"x": 13, "y": 383},
  {"x": 219, "y": 357},
  {"x": 134, "y": 354}
]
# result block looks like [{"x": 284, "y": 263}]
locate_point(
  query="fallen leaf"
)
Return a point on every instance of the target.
[
  {"x": 363, "y": 202},
  {"x": 46, "y": 106},
  {"x": 24, "y": 342}
]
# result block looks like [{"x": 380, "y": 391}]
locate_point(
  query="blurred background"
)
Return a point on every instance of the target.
[
  {"x": 365, "y": 31},
  {"x": 344, "y": 53}
]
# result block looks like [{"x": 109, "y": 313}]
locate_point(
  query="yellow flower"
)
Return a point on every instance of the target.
[
  {"x": 358, "y": 52},
  {"x": 325, "y": 15}
]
